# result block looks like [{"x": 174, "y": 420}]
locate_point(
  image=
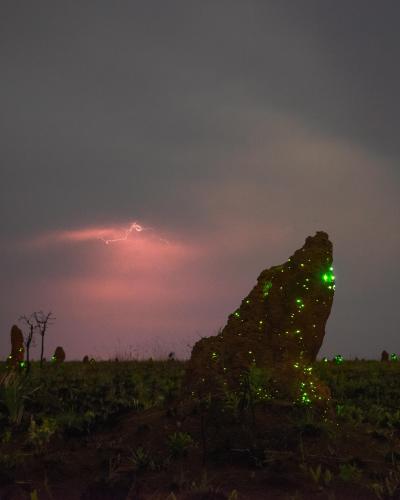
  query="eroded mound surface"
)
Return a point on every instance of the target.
[{"x": 276, "y": 332}]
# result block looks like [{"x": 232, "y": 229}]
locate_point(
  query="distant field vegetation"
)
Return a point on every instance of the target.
[
  {"x": 124, "y": 423},
  {"x": 77, "y": 396}
]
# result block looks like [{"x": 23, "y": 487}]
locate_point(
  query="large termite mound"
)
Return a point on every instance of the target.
[{"x": 278, "y": 327}]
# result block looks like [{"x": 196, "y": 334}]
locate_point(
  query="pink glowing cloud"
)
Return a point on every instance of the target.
[
  {"x": 128, "y": 282},
  {"x": 121, "y": 264},
  {"x": 106, "y": 234}
]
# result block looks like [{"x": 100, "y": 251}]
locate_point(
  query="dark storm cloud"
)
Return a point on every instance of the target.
[
  {"x": 241, "y": 126},
  {"x": 104, "y": 102}
]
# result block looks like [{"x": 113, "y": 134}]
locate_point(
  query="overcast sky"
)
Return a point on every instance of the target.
[{"x": 228, "y": 131}]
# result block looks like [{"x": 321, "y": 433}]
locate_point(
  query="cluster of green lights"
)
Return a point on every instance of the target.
[
  {"x": 304, "y": 398},
  {"x": 22, "y": 364},
  {"x": 266, "y": 288},
  {"x": 338, "y": 359},
  {"x": 394, "y": 357},
  {"x": 308, "y": 390},
  {"x": 329, "y": 278},
  {"x": 214, "y": 355},
  {"x": 261, "y": 393}
]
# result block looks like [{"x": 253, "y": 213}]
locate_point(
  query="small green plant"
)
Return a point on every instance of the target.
[
  {"x": 350, "y": 473},
  {"x": 389, "y": 487},
  {"x": 141, "y": 459},
  {"x": 350, "y": 413},
  {"x": 179, "y": 444},
  {"x": 231, "y": 403},
  {"x": 320, "y": 477},
  {"x": 39, "y": 435},
  {"x": 114, "y": 462},
  {"x": 14, "y": 391},
  {"x": 74, "y": 422},
  {"x": 260, "y": 383}
]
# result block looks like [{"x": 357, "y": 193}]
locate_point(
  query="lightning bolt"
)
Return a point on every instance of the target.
[{"x": 133, "y": 227}]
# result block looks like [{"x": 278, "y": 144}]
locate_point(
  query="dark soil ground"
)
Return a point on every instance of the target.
[{"x": 262, "y": 456}]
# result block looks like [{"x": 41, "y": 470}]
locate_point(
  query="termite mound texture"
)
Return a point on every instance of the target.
[
  {"x": 279, "y": 326},
  {"x": 59, "y": 355},
  {"x": 17, "y": 347}
]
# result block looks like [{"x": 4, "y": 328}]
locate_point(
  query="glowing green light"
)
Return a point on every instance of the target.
[
  {"x": 237, "y": 314},
  {"x": 393, "y": 357},
  {"x": 247, "y": 301},
  {"x": 266, "y": 288},
  {"x": 338, "y": 359},
  {"x": 214, "y": 355},
  {"x": 296, "y": 365},
  {"x": 325, "y": 359},
  {"x": 328, "y": 277},
  {"x": 305, "y": 399}
]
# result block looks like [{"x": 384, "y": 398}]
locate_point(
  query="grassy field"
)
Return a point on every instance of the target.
[{"x": 111, "y": 430}]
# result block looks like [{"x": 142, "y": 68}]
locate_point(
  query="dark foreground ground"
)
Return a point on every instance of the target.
[{"x": 117, "y": 430}]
